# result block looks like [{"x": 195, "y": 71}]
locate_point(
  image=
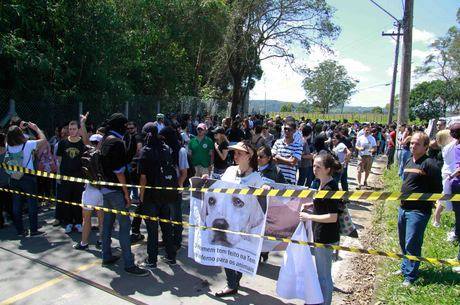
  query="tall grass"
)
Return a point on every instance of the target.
[{"x": 436, "y": 284}]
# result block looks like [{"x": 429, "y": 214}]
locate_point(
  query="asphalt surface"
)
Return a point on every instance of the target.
[{"x": 47, "y": 270}]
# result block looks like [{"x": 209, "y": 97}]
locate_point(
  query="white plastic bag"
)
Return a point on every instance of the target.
[{"x": 298, "y": 278}]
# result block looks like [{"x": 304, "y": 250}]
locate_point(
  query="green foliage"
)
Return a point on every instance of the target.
[
  {"x": 328, "y": 85},
  {"x": 436, "y": 284},
  {"x": 377, "y": 110},
  {"x": 432, "y": 99},
  {"x": 286, "y": 108}
]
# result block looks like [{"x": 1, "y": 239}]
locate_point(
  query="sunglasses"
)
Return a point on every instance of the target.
[{"x": 199, "y": 129}]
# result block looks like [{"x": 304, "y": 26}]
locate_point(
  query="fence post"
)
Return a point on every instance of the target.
[
  {"x": 127, "y": 109},
  {"x": 80, "y": 109}
]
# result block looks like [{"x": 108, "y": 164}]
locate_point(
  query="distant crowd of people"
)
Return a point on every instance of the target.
[{"x": 248, "y": 150}]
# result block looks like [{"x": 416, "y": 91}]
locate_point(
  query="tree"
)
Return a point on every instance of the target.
[
  {"x": 286, "y": 107},
  {"x": 263, "y": 29},
  {"x": 377, "y": 110},
  {"x": 444, "y": 64},
  {"x": 427, "y": 100},
  {"x": 304, "y": 107},
  {"x": 328, "y": 85}
]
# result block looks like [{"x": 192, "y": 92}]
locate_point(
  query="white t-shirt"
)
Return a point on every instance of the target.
[
  {"x": 29, "y": 148},
  {"x": 367, "y": 143},
  {"x": 252, "y": 180},
  {"x": 341, "y": 151},
  {"x": 183, "y": 161}
]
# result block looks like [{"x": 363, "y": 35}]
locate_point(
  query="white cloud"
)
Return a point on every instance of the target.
[
  {"x": 419, "y": 54},
  {"x": 389, "y": 71},
  {"x": 423, "y": 36},
  {"x": 354, "y": 66}
]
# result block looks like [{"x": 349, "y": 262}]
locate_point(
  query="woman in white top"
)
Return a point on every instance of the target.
[
  {"x": 244, "y": 173},
  {"x": 344, "y": 155},
  {"x": 21, "y": 150}
]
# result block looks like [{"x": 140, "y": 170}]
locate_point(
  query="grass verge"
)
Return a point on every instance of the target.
[{"x": 436, "y": 284}]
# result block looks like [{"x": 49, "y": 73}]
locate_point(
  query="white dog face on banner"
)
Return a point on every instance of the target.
[{"x": 239, "y": 213}]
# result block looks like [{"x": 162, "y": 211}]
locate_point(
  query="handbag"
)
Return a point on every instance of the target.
[
  {"x": 347, "y": 227},
  {"x": 298, "y": 278}
]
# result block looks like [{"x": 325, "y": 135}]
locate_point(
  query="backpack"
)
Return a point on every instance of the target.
[
  {"x": 165, "y": 169},
  {"x": 91, "y": 162},
  {"x": 15, "y": 159},
  {"x": 46, "y": 161}
]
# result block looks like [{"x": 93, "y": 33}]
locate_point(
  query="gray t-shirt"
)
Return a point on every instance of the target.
[{"x": 305, "y": 150}]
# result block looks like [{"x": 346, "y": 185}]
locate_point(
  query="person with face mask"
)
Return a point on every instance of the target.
[
  {"x": 69, "y": 152},
  {"x": 113, "y": 162}
]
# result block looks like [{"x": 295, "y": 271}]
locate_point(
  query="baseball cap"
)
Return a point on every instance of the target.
[
  {"x": 202, "y": 126},
  {"x": 241, "y": 147},
  {"x": 160, "y": 116},
  {"x": 219, "y": 129},
  {"x": 95, "y": 138}
]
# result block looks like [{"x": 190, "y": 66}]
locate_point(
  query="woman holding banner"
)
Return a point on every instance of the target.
[
  {"x": 244, "y": 173},
  {"x": 324, "y": 216}
]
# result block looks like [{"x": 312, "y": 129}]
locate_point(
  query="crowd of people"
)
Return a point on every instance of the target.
[{"x": 248, "y": 150}]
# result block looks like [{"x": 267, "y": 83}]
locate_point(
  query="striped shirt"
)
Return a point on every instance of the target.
[{"x": 287, "y": 151}]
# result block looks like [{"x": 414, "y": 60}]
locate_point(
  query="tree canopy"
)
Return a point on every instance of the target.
[{"x": 328, "y": 85}]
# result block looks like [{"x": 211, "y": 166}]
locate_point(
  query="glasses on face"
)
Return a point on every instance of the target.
[{"x": 200, "y": 129}]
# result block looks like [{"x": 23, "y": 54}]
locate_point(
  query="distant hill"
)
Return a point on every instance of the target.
[{"x": 262, "y": 106}]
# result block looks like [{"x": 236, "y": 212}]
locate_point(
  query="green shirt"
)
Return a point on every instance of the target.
[{"x": 200, "y": 151}]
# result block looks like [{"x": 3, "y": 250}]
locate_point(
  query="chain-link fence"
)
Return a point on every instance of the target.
[{"x": 52, "y": 111}]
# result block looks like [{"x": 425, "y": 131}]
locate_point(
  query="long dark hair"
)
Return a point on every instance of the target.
[
  {"x": 253, "y": 159},
  {"x": 330, "y": 162},
  {"x": 171, "y": 139},
  {"x": 15, "y": 136}
]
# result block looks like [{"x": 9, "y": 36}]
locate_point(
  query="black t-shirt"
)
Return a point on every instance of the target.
[
  {"x": 71, "y": 153},
  {"x": 131, "y": 142},
  {"x": 234, "y": 135},
  {"x": 218, "y": 162},
  {"x": 421, "y": 176},
  {"x": 114, "y": 157},
  {"x": 326, "y": 233}
]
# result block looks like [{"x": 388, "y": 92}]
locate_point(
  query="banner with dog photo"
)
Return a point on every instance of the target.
[
  {"x": 282, "y": 217},
  {"x": 238, "y": 213}
]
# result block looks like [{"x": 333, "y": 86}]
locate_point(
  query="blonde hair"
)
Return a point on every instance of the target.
[{"x": 443, "y": 137}]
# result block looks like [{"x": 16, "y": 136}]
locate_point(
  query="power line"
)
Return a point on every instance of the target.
[{"x": 384, "y": 10}]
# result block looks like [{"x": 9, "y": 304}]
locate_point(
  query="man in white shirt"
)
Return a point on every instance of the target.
[{"x": 365, "y": 145}]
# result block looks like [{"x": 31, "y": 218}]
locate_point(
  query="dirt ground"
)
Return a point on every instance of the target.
[{"x": 354, "y": 274}]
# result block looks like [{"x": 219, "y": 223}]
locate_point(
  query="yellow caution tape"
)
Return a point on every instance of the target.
[
  {"x": 434, "y": 261},
  {"x": 354, "y": 195}
]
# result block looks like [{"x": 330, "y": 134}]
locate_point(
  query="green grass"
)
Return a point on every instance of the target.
[{"x": 436, "y": 284}]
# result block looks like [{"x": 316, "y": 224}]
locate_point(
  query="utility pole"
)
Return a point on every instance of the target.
[
  {"x": 404, "y": 90},
  {"x": 395, "y": 71}
]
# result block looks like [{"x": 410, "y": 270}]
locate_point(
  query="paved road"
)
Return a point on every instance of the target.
[{"x": 47, "y": 270}]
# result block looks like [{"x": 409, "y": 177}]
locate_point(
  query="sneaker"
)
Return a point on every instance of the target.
[
  {"x": 56, "y": 223},
  {"x": 436, "y": 224},
  {"x": 23, "y": 234},
  {"x": 136, "y": 237},
  {"x": 136, "y": 271},
  {"x": 79, "y": 246},
  {"x": 99, "y": 244},
  {"x": 456, "y": 269},
  {"x": 397, "y": 272},
  {"x": 169, "y": 261},
  {"x": 406, "y": 283},
  {"x": 79, "y": 228},
  {"x": 451, "y": 237},
  {"x": 37, "y": 233},
  {"x": 110, "y": 261},
  {"x": 68, "y": 228},
  {"x": 146, "y": 264}
]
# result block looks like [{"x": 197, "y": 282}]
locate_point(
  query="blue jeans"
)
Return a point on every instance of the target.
[
  {"x": 404, "y": 156},
  {"x": 323, "y": 259},
  {"x": 27, "y": 184},
  {"x": 176, "y": 215},
  {"x": 116, "y": 200},
  {"x": 411, "y": 228},
  {"x": 342, "y": 178}
]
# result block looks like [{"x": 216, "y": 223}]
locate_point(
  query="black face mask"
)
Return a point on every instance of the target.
[{"x": 455, "y": 133}]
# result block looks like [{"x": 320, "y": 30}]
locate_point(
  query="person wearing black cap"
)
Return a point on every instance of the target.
[
  {"x": 114, "y": 160},
  {"x": 220, "y": 152}
]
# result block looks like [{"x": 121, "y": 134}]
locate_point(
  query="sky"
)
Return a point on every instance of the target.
[{"x": 360, "y": 47}]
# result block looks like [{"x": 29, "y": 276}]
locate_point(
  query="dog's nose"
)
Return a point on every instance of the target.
[{"x": 220, "y": 223}]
